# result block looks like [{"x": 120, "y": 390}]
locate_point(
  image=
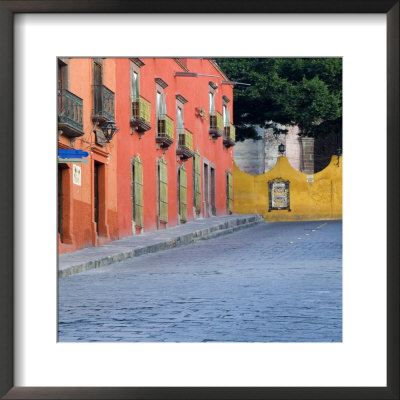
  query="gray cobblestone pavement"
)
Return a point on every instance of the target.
[
  {"x": 275, "y": 282},
  {"x": 151, "y": 242}
]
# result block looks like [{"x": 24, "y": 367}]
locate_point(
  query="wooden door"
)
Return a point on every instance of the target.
[
  {"x": 138, "y": 192},
  {"x": 212, "y": 190},
  {"x": 60, "y": 203},
  {"x": 206, "y": 191},
  {"x": 96, "y": 195},
  {"x": 182, "y": 177},
  {"x": 163, "y": 190}
]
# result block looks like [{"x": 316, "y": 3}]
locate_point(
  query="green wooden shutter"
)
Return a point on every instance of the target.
[
  {"x": 163, "y": 190},
  {"x": 197, "y": 187},
  {"x": 138, "y": 192},
  {"x": 230, "y": 192},
  {"x": 182, "y": 194}
]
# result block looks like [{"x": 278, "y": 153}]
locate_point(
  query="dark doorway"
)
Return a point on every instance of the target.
[
  {"x": 179, "y": 192},
  {"x": 212, "y": 189},
  {"x": 158, "y": 196},
  {"x": 227, "y": 192},
  {"x": 206, "y": 191},
  {"x": 64, "y": 203},
  {"x": 60, "y": 203},
  {"x": 97, "y": 166},
  {"x": 133, "y": 196}
]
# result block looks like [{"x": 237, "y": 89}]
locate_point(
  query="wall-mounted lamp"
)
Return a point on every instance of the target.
[
  {"x": 338, "y": 153},
  {"x": 109, "y": 130},
  {"x": 281, "y": 148}
]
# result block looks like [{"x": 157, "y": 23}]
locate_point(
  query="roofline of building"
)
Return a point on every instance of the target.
[
  {"x": 179, "y": 62},
  {"x": 218, "y": 68}
]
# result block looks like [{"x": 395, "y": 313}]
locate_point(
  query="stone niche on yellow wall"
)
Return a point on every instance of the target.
[{"x": 285, "y": 194}]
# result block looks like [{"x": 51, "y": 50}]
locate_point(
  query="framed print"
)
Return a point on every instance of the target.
[
  {"x": 199, "y": 370},
  {"x": 279, "y": 194}
]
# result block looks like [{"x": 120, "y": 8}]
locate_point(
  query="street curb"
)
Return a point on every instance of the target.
[{"x": 118, "y": 252}]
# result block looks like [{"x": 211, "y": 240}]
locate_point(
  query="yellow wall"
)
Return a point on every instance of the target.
[{"x": 320, "y": 199}]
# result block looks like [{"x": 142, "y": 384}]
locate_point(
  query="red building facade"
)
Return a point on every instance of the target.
[
  {"x": 170, "y": 160},
  {"x": 87, "y": 203}
]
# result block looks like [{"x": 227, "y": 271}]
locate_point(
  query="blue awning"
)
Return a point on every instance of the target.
[{"x": 72, "y": 153}]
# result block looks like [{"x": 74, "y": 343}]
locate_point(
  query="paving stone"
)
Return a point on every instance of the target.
[
  {"x": 260, "y": 284},
  {"x": 134, "y": 246}
]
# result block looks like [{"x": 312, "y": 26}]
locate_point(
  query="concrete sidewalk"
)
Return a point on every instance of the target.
[{"x": 134, "y": 246}]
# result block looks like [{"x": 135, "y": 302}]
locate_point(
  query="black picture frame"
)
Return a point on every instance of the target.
[{"x": 7, "y": 11}]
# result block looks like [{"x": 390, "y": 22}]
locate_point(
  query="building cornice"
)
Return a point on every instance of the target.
[
  {"x": 138, "y": 62},
  {"x": 180, "y": 98},
  {"x": 161, "y": 82}
]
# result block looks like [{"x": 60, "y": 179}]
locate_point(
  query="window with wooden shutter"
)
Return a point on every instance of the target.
[
  {"x": 163, "y": 190},
  {"x": 97, "y": 85},
  {"x": 229, "y": 191},
  {"x": 182, "y": 194},
  {"x": 197, "y": 186},
  {"x": 138, "y": 192}
]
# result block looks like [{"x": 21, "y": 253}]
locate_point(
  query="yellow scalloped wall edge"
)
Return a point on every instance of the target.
[{"x": 312, "y": 196}]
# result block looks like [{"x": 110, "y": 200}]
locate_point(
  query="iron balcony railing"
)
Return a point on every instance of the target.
[
  {"x": 141, "y": 109},
  {"x": 165, "y": 126},
  {"x": 230, "y": 132},
  {"x": 185, "y": 138},
  {"x": 70, "y": 109},
  {"x": 216, "y": 122},
  {"x": 103, "y": 102}
]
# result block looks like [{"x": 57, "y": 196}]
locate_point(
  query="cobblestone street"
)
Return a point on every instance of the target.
[{"x": 275, "y": 282}]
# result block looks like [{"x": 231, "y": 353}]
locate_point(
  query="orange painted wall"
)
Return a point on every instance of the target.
[
  {"x": 196, "y": 91},
  {"x": 80, "y": 212},
  {"x": 116, "y": 156}
]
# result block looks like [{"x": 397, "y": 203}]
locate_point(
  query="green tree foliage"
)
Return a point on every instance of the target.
[{"x": 290, "y": 91}]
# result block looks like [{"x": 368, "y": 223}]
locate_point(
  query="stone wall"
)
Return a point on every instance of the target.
[
  {"x": 258, "y": 156},
  {"x": 249, "y": 155},
  {"x": 307, "y": 162}
]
